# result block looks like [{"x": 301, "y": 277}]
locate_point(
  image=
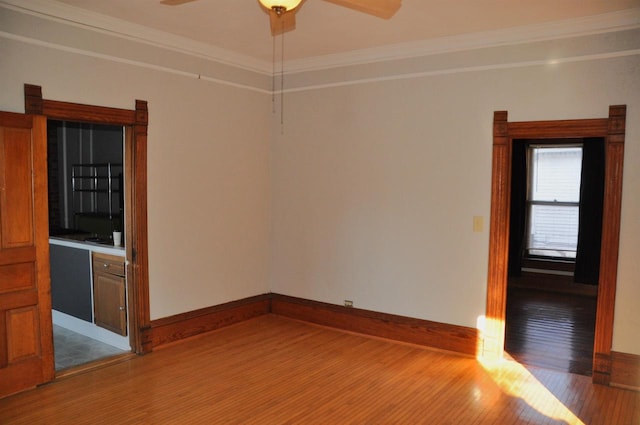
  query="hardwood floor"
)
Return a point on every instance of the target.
[
  {"x": 552, "y": 330},
  {"x": 273, "y": 370}
]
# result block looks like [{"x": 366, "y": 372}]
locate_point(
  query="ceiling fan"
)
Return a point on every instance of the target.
[{"x": 283, "y": 12}]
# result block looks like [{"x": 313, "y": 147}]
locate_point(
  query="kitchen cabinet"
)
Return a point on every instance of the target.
[{"x": 109, "y": 293}]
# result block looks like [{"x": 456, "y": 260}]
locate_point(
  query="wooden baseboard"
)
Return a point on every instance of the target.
[
  {"x": 601, "y": 373},
  {"x": 625, "y": 370},
  {"x": 405, "y": 329},
  {"x": 443, "y": 336},
  {"x": 174, "y": 328}
]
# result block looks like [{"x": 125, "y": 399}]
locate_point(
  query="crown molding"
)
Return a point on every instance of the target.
[
  {"x": 610, "y": 22},
  {"x": 132, "y": 62},
  {"x": 597, "y": 24},
  {"x": 82, "y": 18},
  {"x": 459, "y": 70}
]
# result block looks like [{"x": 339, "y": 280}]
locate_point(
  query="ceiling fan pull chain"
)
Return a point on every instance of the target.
[
  {"x": 282, "y": 82},
  {"x": 273, "y": 76}
]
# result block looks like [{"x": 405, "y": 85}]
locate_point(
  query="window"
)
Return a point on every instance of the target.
[{"x": 553, "y": 201}]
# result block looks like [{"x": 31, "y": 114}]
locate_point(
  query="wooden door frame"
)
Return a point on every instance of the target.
[
  {"x": 612, "y": 129},
  {"x": 135, "y": 122}
]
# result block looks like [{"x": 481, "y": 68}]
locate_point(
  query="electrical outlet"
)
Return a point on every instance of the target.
[{"x": 348, "y": 303}]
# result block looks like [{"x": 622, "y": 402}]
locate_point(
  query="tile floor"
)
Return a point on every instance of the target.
[{"x": 73, "y": 349}]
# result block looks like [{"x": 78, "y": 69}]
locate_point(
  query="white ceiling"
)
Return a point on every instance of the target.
[{"x": 242, "y": 26}]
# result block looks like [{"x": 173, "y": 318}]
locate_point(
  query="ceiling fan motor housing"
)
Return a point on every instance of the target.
[{"x": 280, "y": 6}]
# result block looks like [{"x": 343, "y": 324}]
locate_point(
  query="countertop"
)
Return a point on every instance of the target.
[{"x": 74, "y": 242}]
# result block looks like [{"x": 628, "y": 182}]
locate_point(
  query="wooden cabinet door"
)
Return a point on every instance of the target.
[
  {"x": 109, "y": 293},
  {"x": 26, "y": 339}
]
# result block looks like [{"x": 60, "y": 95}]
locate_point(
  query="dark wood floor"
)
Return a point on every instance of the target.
[{"x": 551, "y": 330}]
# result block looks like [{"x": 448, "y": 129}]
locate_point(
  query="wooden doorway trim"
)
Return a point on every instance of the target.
[
  {"x": 135, "y": 122},
  {"x": 612, "y": 129}
]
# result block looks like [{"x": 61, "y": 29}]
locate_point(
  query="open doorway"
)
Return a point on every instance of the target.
[
  {"x": 85, "y": 167},
  {"x": 557, "y": 188},
  {"x": 612, "y": 129},
  {"x": 132, "y": 125}
]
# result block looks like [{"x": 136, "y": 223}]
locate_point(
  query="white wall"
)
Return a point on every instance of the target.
[
  {"x": 208, "y": 154},
  {"x": 208, "y": 196},
  {"x": 370, "y": 190},
  {"x": 375, "y": 184}
]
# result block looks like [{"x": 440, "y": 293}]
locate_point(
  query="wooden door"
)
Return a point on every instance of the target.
[{"x": 26, "y": 339}]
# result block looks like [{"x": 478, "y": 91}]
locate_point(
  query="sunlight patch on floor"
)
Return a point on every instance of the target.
[{"x": 516, "y": 381}]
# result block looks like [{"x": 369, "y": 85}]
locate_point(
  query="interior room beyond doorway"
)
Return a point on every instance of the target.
[
  {"x": 557, "y": 191},
  {"x": 86, "y": 223}
]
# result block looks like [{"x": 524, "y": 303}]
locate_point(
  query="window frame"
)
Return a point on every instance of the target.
[{"x": 530, "y": 202}]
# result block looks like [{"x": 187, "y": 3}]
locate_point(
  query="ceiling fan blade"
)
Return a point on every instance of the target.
[
  {"x": 175, "y": 2},
  {"x": 282, "y": 23},
  {"x": 381, "y": 8}
]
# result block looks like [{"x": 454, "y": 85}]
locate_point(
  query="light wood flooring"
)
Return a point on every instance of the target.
[{"x": 273, "y": 370}]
